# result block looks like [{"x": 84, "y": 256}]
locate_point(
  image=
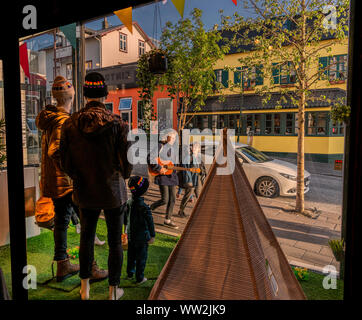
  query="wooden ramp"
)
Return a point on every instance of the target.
[{"x": 228, "y": 249}]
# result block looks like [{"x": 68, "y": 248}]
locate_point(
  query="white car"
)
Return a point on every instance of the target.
[{"x": 267, "y": 176}]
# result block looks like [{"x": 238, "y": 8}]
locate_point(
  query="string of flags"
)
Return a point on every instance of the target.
[{"x": 125, "y": 15}]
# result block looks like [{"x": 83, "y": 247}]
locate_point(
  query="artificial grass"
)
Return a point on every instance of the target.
[
  {"x": 40, "y": 254},
  {"x": 40, "y": 251}
]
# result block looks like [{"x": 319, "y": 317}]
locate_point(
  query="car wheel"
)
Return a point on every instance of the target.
[{"x": 267, "y": 187}]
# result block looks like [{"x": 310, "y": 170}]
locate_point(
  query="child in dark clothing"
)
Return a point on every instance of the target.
[{"x": 139, "y": 228}]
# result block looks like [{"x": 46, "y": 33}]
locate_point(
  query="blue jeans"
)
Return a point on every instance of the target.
[
  {"x": 88, "y": 222},
  {"x": 63, "y": 208},
  {"x": 136, "y": 259}
]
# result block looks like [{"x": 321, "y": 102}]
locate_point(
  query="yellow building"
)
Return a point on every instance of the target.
[{"x": 274, "y": 131}]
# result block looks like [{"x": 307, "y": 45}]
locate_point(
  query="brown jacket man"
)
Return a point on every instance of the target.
[{"x": 54, "y": 182}]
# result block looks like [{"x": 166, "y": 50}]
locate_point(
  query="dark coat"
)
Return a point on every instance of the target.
[
  {"x": 93, "y": 152},
  {"x": 164, "y": 180},
  {"x": 139, "y": 221},
  {"x": 189, "y": 178},
  {"x": 54, "y": 183}
]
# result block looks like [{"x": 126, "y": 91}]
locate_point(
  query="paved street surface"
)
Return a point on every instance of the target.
[{"x": 304, "y": 240}]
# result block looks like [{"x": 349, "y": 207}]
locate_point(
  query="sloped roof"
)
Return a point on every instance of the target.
[
  {"x": 227, "y": 250},
  {"x": 252, "y": 101}
]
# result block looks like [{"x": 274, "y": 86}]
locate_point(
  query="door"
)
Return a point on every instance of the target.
[
  {"x": 127, "y": 118},
  {"x": 164, "y": 114}
]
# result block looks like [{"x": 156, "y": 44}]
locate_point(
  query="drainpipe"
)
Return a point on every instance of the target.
[{"x": 100, "y": 50}]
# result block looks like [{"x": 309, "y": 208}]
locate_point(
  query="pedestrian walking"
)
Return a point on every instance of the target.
[{"x": 167, "y": 151}]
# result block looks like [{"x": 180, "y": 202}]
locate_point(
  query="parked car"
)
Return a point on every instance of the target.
[{"x": 267, "y": 176}]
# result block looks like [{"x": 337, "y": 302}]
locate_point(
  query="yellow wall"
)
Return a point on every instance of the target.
[
  {"x": 231, "y": 60},
  {"x": 313, "y": 145}
]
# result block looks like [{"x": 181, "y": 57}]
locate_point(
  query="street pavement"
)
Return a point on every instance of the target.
[{"x": 304, "y": 240}]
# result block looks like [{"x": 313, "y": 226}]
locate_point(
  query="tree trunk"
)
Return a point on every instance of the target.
[{"x": 299, "y": 206}]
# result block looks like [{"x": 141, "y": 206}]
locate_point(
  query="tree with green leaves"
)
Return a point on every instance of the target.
[
  {"x": 192, "y": 52},
  {"x": 290, "y": 39}
]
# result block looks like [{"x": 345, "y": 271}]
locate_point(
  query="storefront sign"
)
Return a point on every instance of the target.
[{"x": 122, "y": 77}]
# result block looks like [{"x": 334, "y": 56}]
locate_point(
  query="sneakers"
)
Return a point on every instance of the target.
[
  {"x": 170, "y": 224},
  {"x": 142, "y": 281}
]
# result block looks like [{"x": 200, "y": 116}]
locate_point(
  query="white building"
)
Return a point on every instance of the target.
[{"x": 103, "y": 48}]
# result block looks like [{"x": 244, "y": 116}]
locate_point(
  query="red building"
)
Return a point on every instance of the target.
[{"x": 123, "y": 98}]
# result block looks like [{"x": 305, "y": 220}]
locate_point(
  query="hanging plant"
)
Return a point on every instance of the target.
[
  {"x": 340, "y": 111},
  {"x": 158, "y": 62},
  {"x": 149, "y": 78}
]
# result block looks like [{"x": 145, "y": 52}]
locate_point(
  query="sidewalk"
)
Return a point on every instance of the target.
[
  {"x": 303, "y": 240},
  {"x": 314, "y": 167}
]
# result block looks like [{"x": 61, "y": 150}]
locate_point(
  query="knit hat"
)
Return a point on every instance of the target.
[
  {"x": 62, "y": 88},
  {"x": 138, "y": 185},
  {"x": 94, "y": 86}
]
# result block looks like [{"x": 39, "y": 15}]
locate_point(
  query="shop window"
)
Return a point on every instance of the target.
[
  {"x": 249, "y": 123},
  {"x": 316, "y": 123},
  {"x": 257, "y": 121},
  {"x": 122, "y": 42},
  {"x": 276, "y": 123},
  {"x": 337, "y": 128},
  {"x": 289, "y": 121},
  {"x": 268, "y": 123},
  {"x": 221, "y": 121}
]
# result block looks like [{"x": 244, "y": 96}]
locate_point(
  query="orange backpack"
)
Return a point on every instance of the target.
[{"x": 44, "y": 213}]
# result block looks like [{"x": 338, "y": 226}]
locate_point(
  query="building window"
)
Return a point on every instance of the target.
[
  {"x": 257, "y": 121},
  {"x": 316, "y": 123},
  {"x": 222, "y": 76},
  {"x": 141, "y": 47},
  {"x": 335, "y": 67},
  {"x": 88, "y": 65},
  {"x": 268, "y": 123},
  {"x": 253, "y": 123},
  {"x": 109, "y": 106},
  {"x": 284, "y": 73},
  {"x": 337, "y": 128},
  {"x": 69, "y": 71},
  {"x": 123, "y": 42},
  {"x": 276, "y": 123},
  {"x": 289, "y": 121}
]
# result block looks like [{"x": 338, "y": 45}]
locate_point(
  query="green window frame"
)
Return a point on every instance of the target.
[
  {"x": 338, "y": 70},
  {"x": 317, "y": 123},
  {"x": 337, "y": 128},
  {"x": 254, "y": 79},
  {"x": 254, "y": 122},
  {"x": 283, "y": 73},
  {"x": 222, "y": 76}
]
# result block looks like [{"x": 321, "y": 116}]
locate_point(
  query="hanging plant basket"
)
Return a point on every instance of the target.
[{"x": 157, "y": 62}]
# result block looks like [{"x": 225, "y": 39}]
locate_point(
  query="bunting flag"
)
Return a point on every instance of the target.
[
  {"x": 235, "y": 2},
  {"x": 125, "y": 15},
  {"x": 24, "y": 60},
  {"x": 69, "y": 31},
  {"x": 180, "y": 6}
]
